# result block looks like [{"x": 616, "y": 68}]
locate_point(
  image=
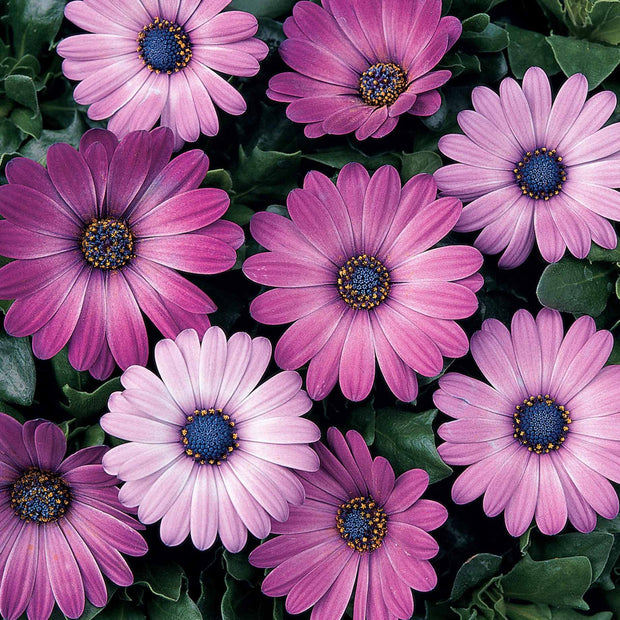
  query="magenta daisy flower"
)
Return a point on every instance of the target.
[
  {"x": 536, "y": 170},
  {"x": 98, "y": 236},
  {"x": 355, "y": 274},
  {"x": 358, "y": 65},
  {"x": 150, "y": 60},
  {"x": 544, "y": 438},
  {"x": 358, "y": 526},
  {"x": 61, "y": 525},
  {"x": 210, "y": 452}
]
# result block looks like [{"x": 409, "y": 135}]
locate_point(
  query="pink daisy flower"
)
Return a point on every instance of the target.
[
  {"x": 210, "y": 452},
  {"x": 358, "y": 526},
  {"x": 150, "y": 60},
  {"x": 358, "y": 65},
  {"x": 536, "y": 170},
  {"x": 544, "y": 438},
  {"x": 355, "y": 275},
  {"x": 98, "y": 236},
  {"x": 61, "y": 524}
]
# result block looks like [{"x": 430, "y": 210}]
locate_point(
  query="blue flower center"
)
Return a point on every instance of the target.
[
  {"x": 164, "y": 46},
  {"x": 209, "y": 436},
  {"x": 363, "y": 282},
  {"x": 40, "y": 496},
  {"x": 108, "y": 244},
  {"x": 382, "y": 83},
  {"x": 540, "y": 174},
  {"x": 540, "y": 424},
  {"x": 362, "y": 524}
]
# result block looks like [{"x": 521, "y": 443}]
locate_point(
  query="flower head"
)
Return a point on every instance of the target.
[
  {"x": 210, "y": 452},
  {"x": 543, "y": 439},
  {"x": 536, "y": 170},
  {"x": 357, "y": 65},
  {"x": 99, "y": 236},
  {"x": 353, "y": 270},
  {"x": 63, "y": 527},
  {"x": 357, "y": 524},
  {"x": 147, "y": 61}
]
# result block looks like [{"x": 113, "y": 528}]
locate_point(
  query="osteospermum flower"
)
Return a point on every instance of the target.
[
  {"x": 98, "y": 236},
  {"x": 544, "y": 438},
  {"x": 354, "y": 272},
  {"x": 149, "y": 60},
  {"x": 62, "y": 525},
  {"x": 358, "y": 65},
  {"x": 358, "y": 525},
  {"x": 210, "y": 452},
  {"x": 534, "y": 170}
]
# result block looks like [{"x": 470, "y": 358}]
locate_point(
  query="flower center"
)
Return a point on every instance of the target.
[
  {"x": 382, "y": 83},
  {"x": 361, "y": 523},
  {"x": 40, "y": 496},
  {"x": 363, "y": 282},
  {"x": 108, "y": 244},
  {"x": 164, "y": 46},
  {"x": 540, "y": 424},
  {"x": 540, "y": 174},
  {"x": 209, "y": 436}
]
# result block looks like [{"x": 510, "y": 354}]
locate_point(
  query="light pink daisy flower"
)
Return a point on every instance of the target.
[
  {"x": 150, "y": 59},
  {"x": 543, "y": 440},
  {"x": 358, "y": 526},
  {"x": 359, "y": 65},
  {"x": 536, "y": 170},
  {"x": 355, "y": 274},
  {"x": 210, "y": 452}
]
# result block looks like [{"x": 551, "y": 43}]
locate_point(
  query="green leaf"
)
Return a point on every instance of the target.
[
  {"x": 491, "y": 39},
  {"x": 528, "y": 49},
  {"x": 20, "y": 88},
  {"x": 363, "y": 420},
  {"x": 474, "y": 571},
  {"x": 240, "y": 602},
  {"x": 263, "y": 8},
  {"x": 184, "y": 608},
  {"x": 571, "y": 614},
  {"x": 594, "y": 60},
  {"x": 476, "y": 23},
  {"x": 605, "y": 20},
  {"x": 553, "y": 8},
  {"x": 34, "y": 23},
  {"x": 121, "y": 610},
  {"x": 219, "y": 178},
  {"x": 239, "y": 214},
  {"x": 163, "y": 580},
  {"x": 420, "y": 162},
  {"x": 10, "y": 139},
  {"x": 407, "y": 440},
  {"x": 575, "y": 286},
  {"x": 83, "y": 405},
  {"x": 31, "y": 123},
  {"x": 17, "y": 379},
  {"x": 37, "y": 149},
  {"x": 528, "y": 612},
  {"x": 560, "y": 582},
  {"x": 341, "y": 156},
  {"x": 239, "y": 568},
  {"x": 595, "y": 546},
  {"x": 599, "y": 254},
  {"x": 458, "y": 63},
  {"x": 67, "y": 375}
]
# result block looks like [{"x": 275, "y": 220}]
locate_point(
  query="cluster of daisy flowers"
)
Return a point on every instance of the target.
[{"x": 363, "y": 272}]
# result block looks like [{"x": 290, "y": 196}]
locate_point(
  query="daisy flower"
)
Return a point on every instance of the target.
[
  {"x": 355, "y": 275},
  {"x": 62, "y": 525},
  {"x": 543, "y": 440},
  {"x": 210, "y": 452},
  {"x": 358, "y": 526},
  {"x": 98, "y": 236},
  {"x": 536, "y": 169},
  {"x": 149, "y": 60},
  {"x": 358, "y": 65}
]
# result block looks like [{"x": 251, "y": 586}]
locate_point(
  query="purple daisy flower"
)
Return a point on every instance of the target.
[
  {"x": 61, "y": 524},
  {"x": 99, "y": 236},
  {"x": 357, "y": 524},
  {"x": 150, "y": 60},
  {"x": 210, "y": 452},
  {"x": 358, "y": 65},
  {"x": 544, "y": 438},
  {"x": 536, "y": 170},
  {"x": 355, "y": 274}
]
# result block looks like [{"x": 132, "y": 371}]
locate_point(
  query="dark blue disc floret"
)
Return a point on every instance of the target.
[
  {"x": 540, "y": 424},
  {"x": 361, "y": 523},
  {"x": 209, "y": 436},
  {"x": 382, "y": 83},
  {"x": 108, "y": 244},
  {"x": 540, "y": 174},
  {"x": 164, "y": 46},
  {"x": 363, "y": 282},
  {"x": 40, "y": 496}
]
